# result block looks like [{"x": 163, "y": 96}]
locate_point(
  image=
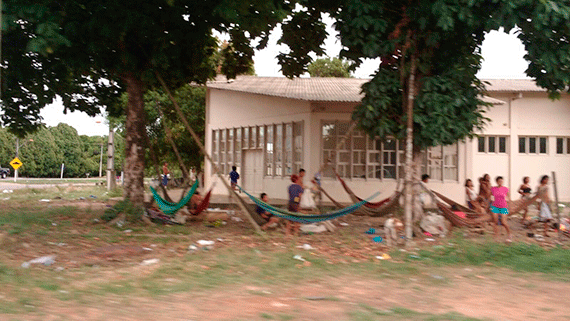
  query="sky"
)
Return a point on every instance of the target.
[{"x": 503, "y": 58}]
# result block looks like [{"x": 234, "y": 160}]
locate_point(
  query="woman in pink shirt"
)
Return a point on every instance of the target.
[{"x": 500, "y": 208}]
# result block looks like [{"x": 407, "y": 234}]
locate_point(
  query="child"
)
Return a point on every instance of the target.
[
  {"x": 545, "y": 213},
  {"x": 470, "y": 194},
  {"x": 499, "y": 207},
  {"x": 525, "y": 191},
  {"x": 295, "y": 192},
  {"x": 270, "y": 220},
  {"x": 234, "y": 176}
]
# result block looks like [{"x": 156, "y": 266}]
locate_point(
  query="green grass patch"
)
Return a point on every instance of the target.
[
  {"x": 367, "y": 312},
  {"x": 517, "y": 256}
]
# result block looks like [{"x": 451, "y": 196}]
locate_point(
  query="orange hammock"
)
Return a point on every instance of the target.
[
  {"x": 357, "y": 199},
  {"x": 203, "y": 205}
]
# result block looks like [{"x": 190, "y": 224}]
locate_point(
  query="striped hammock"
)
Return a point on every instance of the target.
[
  {"x": 170, "y": 208},
  {"x": 307, "y": 218}
]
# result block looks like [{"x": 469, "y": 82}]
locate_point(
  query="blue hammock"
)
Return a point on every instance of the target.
[
  {"x": 307, "y": 218},
  {"x": 169, "y": 208}
]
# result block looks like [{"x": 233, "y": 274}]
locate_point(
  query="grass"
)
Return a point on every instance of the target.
[
  {"x": 366, "y": 312},
  {"x": 262, "y": 266},
  {"x": 517, "y": 256}
]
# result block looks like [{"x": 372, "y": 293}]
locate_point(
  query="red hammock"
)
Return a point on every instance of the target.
[
  {"x": 350, "y": 192},
  {"x": 203, "y": 205}
]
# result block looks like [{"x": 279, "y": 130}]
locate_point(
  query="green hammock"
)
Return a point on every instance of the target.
[
  {"x": 170, "y": 208},
  {"x": 307, "y": 218}
]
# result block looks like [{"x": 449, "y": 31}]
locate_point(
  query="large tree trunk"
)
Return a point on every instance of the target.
[
  {"x": 135, "y": 139},
  {"x": 408, "y": 166}
]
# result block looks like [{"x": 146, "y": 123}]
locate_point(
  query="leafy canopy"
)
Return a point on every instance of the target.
[{"x": 329, "y": 67}]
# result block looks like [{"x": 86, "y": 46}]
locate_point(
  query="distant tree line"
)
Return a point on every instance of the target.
[{"x": 43, "y": 152}]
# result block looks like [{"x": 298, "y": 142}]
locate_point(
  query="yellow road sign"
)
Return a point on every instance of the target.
[{"x": 16, "y": 163}]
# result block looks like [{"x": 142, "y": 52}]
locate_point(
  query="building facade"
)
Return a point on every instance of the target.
[{"x": 269, "y": 128}]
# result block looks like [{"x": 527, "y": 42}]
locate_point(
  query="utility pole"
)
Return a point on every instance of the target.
[
  {"x": 101, "y": 162},
  {"x": 111, "y": 180}
]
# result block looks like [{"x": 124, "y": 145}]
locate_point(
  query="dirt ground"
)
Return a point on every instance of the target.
[
  {"x": 484, "y": 292},
  {"x": 478, "y": 293}
]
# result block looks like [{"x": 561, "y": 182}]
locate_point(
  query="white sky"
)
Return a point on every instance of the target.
[{"x": 503, "y": 58}]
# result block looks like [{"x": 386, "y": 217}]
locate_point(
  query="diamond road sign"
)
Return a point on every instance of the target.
[{"x": 16, "y": 163}]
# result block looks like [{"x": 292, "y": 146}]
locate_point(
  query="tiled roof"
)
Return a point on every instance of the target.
[
  {"x": 309, "y": 89},
  {"x": 512, "y": 85}
]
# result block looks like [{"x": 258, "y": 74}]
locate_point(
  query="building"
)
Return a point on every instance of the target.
[{"x": 271, "y": 127}]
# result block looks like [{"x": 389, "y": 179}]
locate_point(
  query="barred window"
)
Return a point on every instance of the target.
[
  {"x": 533, "y": 145},
  {"x": 492, "y": 144}
]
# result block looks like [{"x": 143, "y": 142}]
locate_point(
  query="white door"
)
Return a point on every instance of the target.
[{"x": 253, "y": 171}]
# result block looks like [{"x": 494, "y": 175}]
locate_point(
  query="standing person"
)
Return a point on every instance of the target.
[
  {"x": 234, "y": 176},
  {"x": 301, "y": 176},
  {"x": 545, "y": 213},
  {"x": 295, "y": 192},
  {"x": 424, "y": 196},
  {"x": 525, "y": 191},
  {"x": 470, "y": 194},
  {"x": 485, "y": 191},
  {"x": 165, "y": 173},
  {"x": 270, "y": 220},
  {"x": 500, "y": 208}
]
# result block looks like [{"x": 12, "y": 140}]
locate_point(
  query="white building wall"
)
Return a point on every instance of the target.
[
  {"x": 526, "y": 114},
  {"x": 235, "y": 109}
]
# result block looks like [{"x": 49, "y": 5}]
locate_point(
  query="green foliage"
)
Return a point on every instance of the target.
[
  {"x": 443, "y": 38},
  {"x": 329, "y": 67},
  {"x": 45, "y": 150}
]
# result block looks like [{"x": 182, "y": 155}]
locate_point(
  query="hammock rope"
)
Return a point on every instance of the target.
[
  {"x": 169, "y": 208},
  {"x": 306, "y": 218}
]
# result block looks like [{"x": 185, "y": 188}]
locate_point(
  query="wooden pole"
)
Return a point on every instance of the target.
[
  {"x": 241, "y": 204},
  {"x": 556, "y": 200}
]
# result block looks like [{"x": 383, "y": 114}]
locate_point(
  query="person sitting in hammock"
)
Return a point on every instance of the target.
[
  {"x": 295, "y": 192},
  {"x": 270, "y": 220},
  {"x": 195, "y": 201}
]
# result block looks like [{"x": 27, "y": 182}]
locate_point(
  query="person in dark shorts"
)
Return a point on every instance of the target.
[
  {"x": 295, "y": 192},
  {"x": 270, "y": 220},
  {"x": 234, "y": 176},
  {"x": 165, "y": 173}
]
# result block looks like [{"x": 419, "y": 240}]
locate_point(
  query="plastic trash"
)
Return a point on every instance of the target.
[
  {"x": 371, "y": 231},
  {"x": 384, "y": 256},
  {"x": 343, "y": 224},
  {"x": 306, "y": 247},
  {"x": 236, "y": 219},
  {"x": 430, "y": 240},
  {"x": 45, "y": 200},
  {"x": 128, "y": 231},
  {"x": 45, "y": 260},
  {"x": 377, "y": 239},
  {"x": 205, "y": 243},
  {"x": 299, "y": 258},
  {"x": 150, "y": 261},
  {"x": 92, "y": 196}
]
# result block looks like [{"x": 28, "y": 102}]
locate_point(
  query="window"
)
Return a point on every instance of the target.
[
  {"x": 279, "y": 150},
  {"x": 492, "y": 144},
  {"x": 563, "y": 145},
  {"x": 450, "y": 171},
  {"x": 269, "y": 152},
  {"x": 288, "y": 149},
  {"x": 358, "y": 160},
  {"x": 238, "y": 146},
  {"x": 223, "y": 151},
  {"x": 297, "y": 146},
  {"x": 533, "y": 145},
  {"x": 215, "y": 146},
  {"x": 230, "y": 157}
]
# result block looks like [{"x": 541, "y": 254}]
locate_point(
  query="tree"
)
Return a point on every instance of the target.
[
  {"x": 90, "y": 52},
  {"x": 425, "y": 88},
  {"x": 329, "y": 67}
]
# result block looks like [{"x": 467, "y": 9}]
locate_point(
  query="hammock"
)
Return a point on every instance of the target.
[
  {"x": 466, "y": 221},
  {"x": 306, "y": 218},
  {"x": 203, "y": 205},
  {"x": 169, "y": 208},
  {"x": 357, "y": 199}
]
